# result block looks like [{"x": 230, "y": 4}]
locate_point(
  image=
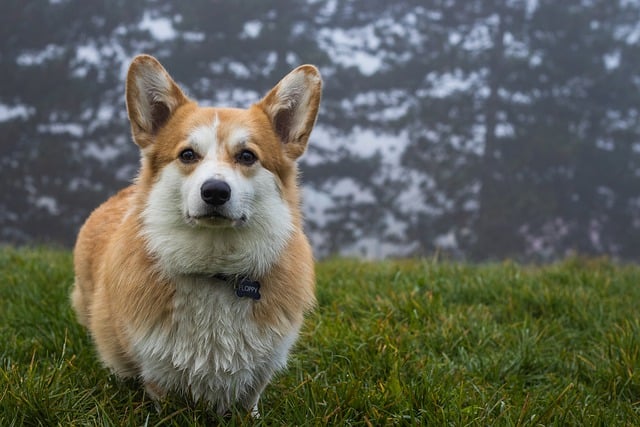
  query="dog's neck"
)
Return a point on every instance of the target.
[{"x": 244, "y": 287}]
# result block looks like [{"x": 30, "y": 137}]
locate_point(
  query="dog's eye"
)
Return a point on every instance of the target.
[
  {"x": 246, "y": 157},
  {"x": 188, "y": 156}
]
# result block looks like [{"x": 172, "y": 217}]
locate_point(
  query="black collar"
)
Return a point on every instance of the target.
[{"x": 243, "y": 286}]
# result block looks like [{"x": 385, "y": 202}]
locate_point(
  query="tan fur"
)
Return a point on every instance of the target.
[{"x": 121, "y": 290}]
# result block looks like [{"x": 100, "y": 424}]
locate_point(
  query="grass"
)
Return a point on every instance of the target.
[{"x": 394, "y": 342}]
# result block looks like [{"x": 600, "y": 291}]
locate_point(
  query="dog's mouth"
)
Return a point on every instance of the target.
[{"x": 216, "y": 219}]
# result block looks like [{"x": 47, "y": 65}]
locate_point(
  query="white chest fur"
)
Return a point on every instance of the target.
[{"x": 214, "y": 349}]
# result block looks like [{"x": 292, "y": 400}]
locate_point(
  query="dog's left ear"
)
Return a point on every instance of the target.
[{"x": 292, "y": 106}]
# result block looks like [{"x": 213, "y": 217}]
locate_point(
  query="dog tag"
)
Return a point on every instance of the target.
[{"x": 248, "y": 288}]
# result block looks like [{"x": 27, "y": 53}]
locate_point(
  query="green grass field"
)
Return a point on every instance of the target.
[{"x": 395, "y": 342}]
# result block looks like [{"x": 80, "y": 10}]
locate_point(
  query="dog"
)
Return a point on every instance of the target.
[{"x": 197, "y": 277}]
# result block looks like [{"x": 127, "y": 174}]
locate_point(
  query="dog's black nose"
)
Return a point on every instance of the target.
[{"x": 215, "y": 192}]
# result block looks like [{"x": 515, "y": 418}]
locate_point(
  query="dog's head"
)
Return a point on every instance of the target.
[{"x": 219, "y": 169}]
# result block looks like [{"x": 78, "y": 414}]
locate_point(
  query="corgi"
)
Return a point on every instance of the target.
[{"x": 196, "y": 278}]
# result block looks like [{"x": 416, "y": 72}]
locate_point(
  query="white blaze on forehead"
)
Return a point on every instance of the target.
[{"x": 204, "y": 139}]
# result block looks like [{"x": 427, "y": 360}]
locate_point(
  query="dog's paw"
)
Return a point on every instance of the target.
[
  {"x": 255, "y": 413},
  {"x": 156, "y": 393}
]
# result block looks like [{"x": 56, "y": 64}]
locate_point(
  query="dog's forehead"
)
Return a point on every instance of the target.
[{"x": 227, "y": 127}]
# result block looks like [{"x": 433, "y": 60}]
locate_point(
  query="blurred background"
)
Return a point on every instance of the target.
[{"x": 479, "y": 129}]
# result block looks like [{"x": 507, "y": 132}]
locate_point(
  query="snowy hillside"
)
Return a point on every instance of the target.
[{"x": 481, "y": 129}]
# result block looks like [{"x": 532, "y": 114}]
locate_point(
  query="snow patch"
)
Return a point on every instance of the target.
[
  {"x": 350, "y": 189},
  {"x": 375, "y": 248},
  {"x": 73, "y": 129},
  {"x": 364, "y": 143},
  {"x": 18, "y": 111},
  {"x": 102, "y": 153},
  {"x": 193, "y": 36},
  {"x": 236, "y": 97},
  {"x": 160, "y": 28},
  {"x": 47, "y": 203},
  {"x": 612, "y": 60},
  {"x": 252, "y": 29},
  {"x": 445, "y": 84},
  {"x": 316, "y": 202},
  {"x": 239, "y": 70},
  {"x": 88, "y": 53},
  {"x": 38, "y": 57},
  {"x": 446, "y": 241},
  {"x": 356, "y": 47}
]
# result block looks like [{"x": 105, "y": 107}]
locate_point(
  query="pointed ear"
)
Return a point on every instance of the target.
[
  {"x": 292, "y": 106},
  {"x": 152, "y": 97}
]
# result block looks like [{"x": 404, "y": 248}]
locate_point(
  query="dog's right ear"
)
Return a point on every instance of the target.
[{"x": 152, "y": 97}]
